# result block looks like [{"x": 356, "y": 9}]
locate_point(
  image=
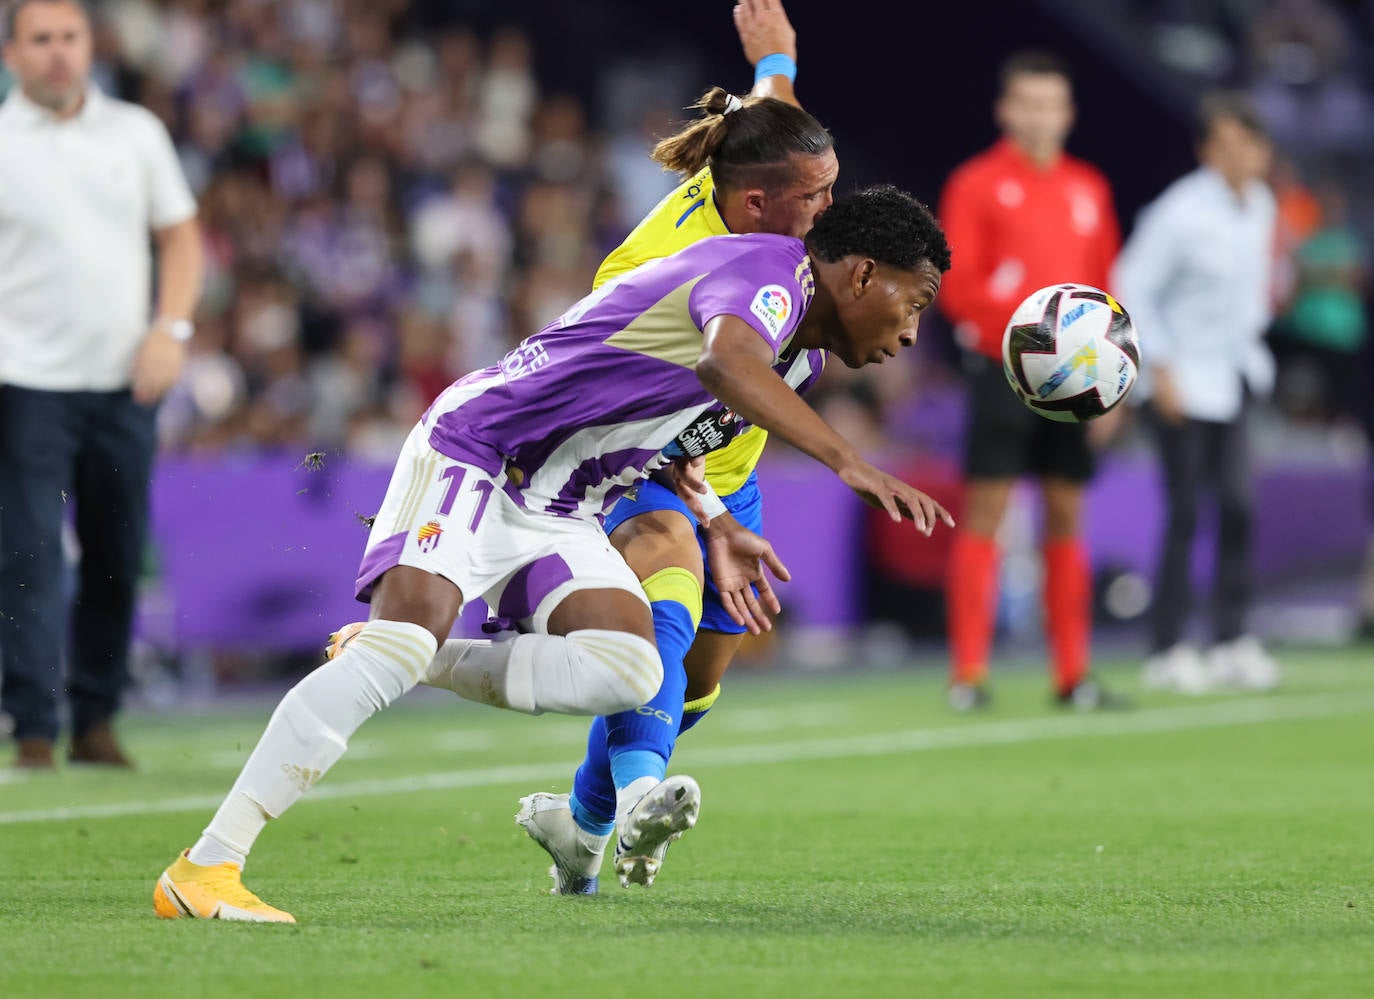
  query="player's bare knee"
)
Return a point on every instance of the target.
[
  {"x": 657, "y": 540},
  {"x": 605, "y": 609}
]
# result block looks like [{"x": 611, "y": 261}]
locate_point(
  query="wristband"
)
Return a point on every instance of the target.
[
  {"x": 776, "y": 64},
  {"x": 712, "y": 504}
]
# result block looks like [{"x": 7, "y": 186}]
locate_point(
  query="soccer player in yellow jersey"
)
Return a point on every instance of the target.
[{"x": 757, "y": 165}]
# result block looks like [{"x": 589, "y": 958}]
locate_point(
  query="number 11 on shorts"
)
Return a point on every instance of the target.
[{"x": 482, "y": 487}]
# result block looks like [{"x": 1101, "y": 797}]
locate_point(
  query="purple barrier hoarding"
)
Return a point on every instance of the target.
[{"x": 261, "y": 552}]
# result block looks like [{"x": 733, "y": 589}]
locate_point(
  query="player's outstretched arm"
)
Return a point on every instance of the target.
[
  {"x": 736, "y": 366},
  {"x": 766, "y": 34}
]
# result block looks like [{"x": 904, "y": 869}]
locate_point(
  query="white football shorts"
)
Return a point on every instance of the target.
[{"x": 457, "y": 521}]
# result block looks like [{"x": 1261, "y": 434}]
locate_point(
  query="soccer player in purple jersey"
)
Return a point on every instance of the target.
[
  {"x": 748, "y": 165},
  {"x": 499, "y": 492}
]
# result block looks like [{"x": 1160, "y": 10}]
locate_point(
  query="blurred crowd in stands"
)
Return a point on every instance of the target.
[
  {"x": 382, "y": 214},
  {"x": 387, "y": 208}
]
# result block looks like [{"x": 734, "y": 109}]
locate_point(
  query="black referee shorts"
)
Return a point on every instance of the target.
[{"x": 1005, "y": 440}]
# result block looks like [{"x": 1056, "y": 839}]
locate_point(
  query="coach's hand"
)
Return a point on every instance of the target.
[
  {"x": 157, "y": 366},
  {"x": 1165, "y": 398},
  {"x": 878, "y": 489},
  {"x": 737, "y": 557}
]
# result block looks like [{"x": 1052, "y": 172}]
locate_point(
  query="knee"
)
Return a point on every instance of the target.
[
  {"x": 985, "y": 506},
  {"x": 387, "y": 659},
  {"x": 1060, "y": 523},
  {"x": 630, "y": 669},
  {"x": 658, "y": 540}
]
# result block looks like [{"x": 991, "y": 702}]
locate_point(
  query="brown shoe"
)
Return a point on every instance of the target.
[
  {"x": 34, "y": 754},
  {"x": 97, "y": 745}
]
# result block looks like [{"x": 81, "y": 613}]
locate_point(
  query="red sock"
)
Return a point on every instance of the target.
[
  {"x": 971, "y": 604},
  {"x": 1068, "y": 609}
]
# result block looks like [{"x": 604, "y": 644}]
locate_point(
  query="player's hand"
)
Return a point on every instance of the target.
[
  {"x": 1165, "y": 397},
  {"x": 737, "y": 558},
  {"x": 764, "y": 29},
  {"x": 901, "y": 501},
  {"x": 157, "y": 366},
  {"x": 689, "y": 480}
]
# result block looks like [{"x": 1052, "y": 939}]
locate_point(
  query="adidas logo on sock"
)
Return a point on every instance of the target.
[
  {"x": 302, "y": 777},
  {"x": 489, "y": 692}
]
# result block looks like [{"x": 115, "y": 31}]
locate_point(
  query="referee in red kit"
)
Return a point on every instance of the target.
[{"x": 1022, "y": 215}]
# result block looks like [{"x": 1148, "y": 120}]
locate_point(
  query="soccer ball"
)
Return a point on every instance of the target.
[{"x": 1070, "y": 352}]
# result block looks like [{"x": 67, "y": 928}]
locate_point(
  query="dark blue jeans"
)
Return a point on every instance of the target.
[{"x": 88, "y": 455}]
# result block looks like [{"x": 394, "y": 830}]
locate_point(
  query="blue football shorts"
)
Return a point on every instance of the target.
[{"x": 745, "y": 503}]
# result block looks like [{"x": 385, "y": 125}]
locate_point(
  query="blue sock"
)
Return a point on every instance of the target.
[
  {"x": 639, "y": 743},
  {"x": 593, "y": 795},
  {"x": 630, "y": 765}
]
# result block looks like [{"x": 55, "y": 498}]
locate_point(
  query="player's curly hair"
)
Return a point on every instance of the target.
[
  {"x": 751, "y": 146},
  {"x": 882, "y": 222}
]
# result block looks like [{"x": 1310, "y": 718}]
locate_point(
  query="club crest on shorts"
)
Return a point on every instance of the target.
[{"x": 428, "y": 536}]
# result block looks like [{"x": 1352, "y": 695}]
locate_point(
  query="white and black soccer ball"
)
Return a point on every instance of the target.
[{"x": 1070, "y": 352}]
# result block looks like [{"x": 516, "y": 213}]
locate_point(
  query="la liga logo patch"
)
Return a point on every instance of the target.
[{"x": 773, "y": 305}]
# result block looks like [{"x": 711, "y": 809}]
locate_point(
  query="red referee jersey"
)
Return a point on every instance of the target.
[{"x": 1015, "y": 227}]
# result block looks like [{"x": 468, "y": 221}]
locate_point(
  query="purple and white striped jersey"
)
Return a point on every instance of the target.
[{"x": 586, "y": 407}]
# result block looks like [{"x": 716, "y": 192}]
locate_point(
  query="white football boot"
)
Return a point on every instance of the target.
[
  {"x": 1178, "y": 668},
  {"x": 668, "y": 810},
  {"x": 549, "y": 821},
  {"x": 1242, "y": 664}
]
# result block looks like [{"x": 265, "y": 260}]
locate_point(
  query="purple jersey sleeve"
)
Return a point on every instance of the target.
[{"x": 763, "y": 289}]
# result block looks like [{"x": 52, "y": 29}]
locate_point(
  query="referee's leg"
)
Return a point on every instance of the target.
[
  {"x": 38, "y": 443},
  {"x": 112, "y": 480}
]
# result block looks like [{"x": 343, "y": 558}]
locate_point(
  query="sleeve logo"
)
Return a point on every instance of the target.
[
  {"x": 773, "y": 305},
  {"x": 712, "y": 430}
]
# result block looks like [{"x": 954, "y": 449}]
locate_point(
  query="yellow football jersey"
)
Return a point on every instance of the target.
[{"x": 686, "y": 215}]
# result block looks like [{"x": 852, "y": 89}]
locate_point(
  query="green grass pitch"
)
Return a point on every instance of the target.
[{"x": 856, "y": 839}]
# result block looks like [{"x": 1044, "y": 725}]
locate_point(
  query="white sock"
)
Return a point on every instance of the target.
[
  {"x": 210, "y": 852},
  {"x": 310, "y": 730},
  {"x": 473, "y": 668},
  {"x": 595, "y": 842},
  {"x": 588, "y": 672},
  {"x": 628, "y": 796}
]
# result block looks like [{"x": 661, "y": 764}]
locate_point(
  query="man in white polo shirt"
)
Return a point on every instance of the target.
[
  {"x": 85, "y": 180},
  {"x": 1196, "y": 275}
]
